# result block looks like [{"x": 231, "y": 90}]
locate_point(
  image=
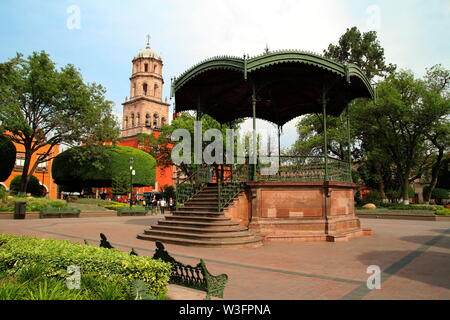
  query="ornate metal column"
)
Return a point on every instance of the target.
[
  {"x": 255, "y": 143},
  {"x": 349, "y": 143},
  {"x": 325, "y": 136}
]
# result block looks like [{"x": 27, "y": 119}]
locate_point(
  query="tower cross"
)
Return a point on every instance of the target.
[{"x": 148, "y": 40}]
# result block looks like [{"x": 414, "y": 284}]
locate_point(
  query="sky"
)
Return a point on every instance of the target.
[{"x": 100, "y": 37}]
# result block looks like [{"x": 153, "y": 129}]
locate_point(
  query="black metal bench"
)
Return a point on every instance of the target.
[{"x": 197, "y": 277}]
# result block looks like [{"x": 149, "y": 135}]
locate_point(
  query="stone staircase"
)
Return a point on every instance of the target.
[{"x": 200, "y": 224}]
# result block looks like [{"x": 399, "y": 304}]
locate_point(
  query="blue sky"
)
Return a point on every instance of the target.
[{"x": 414, "y": 33}]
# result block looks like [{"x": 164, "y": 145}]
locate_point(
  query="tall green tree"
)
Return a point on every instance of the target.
[
  {"x": 365, "y": 51},
  {"x": 161, "y": 147},
  {"x": 42, "y": 107},
  {"x": 7, "y": 157},
  {"x": 400, "y": 122}
]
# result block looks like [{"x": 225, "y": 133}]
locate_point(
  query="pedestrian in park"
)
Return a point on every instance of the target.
[
  {"x": 171, "y": 204},
  {"x": 163, "y": 205}
]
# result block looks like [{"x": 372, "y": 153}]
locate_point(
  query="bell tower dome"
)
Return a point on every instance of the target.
[{"x": 145, "y": 111}]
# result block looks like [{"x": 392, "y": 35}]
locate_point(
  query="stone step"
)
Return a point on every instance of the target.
[
  {"x": 199, "y": 213},
  {"x": 200, "y": 208},
  {"x": 252, "y": 242},
  {"x": 193, "y": 218},
  {"x": 198, "y": 230},
  {"x": 201, "y": 236},
  {"x": 210, "y": 225},
  {"x": 196, "y": 203}
]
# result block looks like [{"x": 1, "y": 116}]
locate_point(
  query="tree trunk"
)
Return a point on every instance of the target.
[
  {"x": 381, "y": 186},
  {"x": 405, "y": 184},
  {"x": 25, "y": 176},
  {"x": 434, "y": 176}
]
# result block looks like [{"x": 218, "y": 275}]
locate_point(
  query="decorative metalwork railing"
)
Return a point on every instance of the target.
[
  {"x": 231, "y": 184},
  {"x": 189, "y": 187},
  {"x": 303, "y": 169}
]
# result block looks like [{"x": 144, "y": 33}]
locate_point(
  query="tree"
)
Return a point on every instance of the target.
[
  {"x": 362, "y": 49},
  {"x": 41, "y": 106},
  {"x": 33, "y": 187},
  {"x": 400, "y": 121},
  {"x": 7, "y": 157},
  {"x": 365, "y": 51},
  {"x": 437, "y": 80},
  {"x": 161, "y": 147},
  {"x": 68, "y": 170},
  {"x": 121, "y": 184}
]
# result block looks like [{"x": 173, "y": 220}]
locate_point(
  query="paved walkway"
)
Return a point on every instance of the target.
[{"x": 414, "y": 257}]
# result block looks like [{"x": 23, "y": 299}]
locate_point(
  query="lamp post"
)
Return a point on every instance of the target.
[{"x": 132, "y": 173}]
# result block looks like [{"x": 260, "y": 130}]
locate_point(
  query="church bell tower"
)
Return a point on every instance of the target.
[{"x": 145, "y": 111}]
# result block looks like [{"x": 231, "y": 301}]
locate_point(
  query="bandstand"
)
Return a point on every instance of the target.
[{"x": 307, "y": 198}]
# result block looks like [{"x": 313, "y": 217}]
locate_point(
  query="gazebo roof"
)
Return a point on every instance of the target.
[{"x": 288, "y": 84}]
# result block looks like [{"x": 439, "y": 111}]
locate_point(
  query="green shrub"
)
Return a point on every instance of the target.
[
  {"x": 68, "y": 170},
  {"x": 37, "y": 204},
  {"x": 33, "y": 187},
  {"x": 132, "y": 209},
  {"x": 443, "y": 212},
  {"x": 55, "y": 256},
  {"x": 399, "y": 206},
  {"x": 373, "y": 197},
  {"x": 440, "y": 194},
  {"x": 98, "y": 202},
  {"x": 7, "y": 157}
]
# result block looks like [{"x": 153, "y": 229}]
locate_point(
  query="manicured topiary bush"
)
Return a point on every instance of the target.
[
  {"x": 53, "y": 257},
  {"x": 7, "y": 157},
  {"x": 33, "y": 187},
  {"x": 67, "y": 169}
]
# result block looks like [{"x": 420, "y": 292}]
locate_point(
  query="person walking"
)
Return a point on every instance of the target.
[{"x": 163, "y": 205}]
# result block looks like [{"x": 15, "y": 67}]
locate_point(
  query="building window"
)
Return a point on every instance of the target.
[
  {"x": 132, "y": 120},
  {"x": 155, "y": 120},
  {"x": 138, "y": 119},
  {"x": 155, "y": 92},
  {"x": 146, "y": 67},
  {"x": 126, "y": 122},
  {"x": 148, "y": 121},
  {"x": 155, "y": 68},
  {"x": 145, "y": 87},
  {"x": 20, "y": 162},
  {"x": 163, "y": 121}
]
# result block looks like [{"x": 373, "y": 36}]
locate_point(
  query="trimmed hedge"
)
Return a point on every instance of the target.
[
  {"x": 33, "y": 187},
  {"x": 398, "y": 206},
  {"x": 7, "y": 157},
  {"x": 68, "y": 171},
  {"x": 55, "y": 256}
]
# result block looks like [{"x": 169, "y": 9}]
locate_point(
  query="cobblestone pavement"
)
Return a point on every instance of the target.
[{"x": 414, "y": 257}]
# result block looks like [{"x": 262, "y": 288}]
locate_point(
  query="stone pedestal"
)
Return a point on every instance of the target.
[{"x": 302, "y": 211}]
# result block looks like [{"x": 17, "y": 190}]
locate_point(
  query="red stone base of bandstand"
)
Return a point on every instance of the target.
[{"x": 299, "y": 211}]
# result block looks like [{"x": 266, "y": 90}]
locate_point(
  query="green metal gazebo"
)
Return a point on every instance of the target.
[{"x": 275, "y": 86}]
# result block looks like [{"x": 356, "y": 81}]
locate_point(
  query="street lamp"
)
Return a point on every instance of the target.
[{"x": 132, "y": 173}]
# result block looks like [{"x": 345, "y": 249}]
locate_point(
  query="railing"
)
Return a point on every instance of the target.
[
  {"x": 189, "y": 187},
  {"x": 232, "y": 178},
  {"x": 303, "y": 169},
  {"x": 231, "y": 184}
]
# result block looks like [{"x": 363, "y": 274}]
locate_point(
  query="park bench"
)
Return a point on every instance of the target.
[
  {"x": 195, "y": 277},
  {"x": 125, "y": 211},
  {"x": 46, "y": 213}
]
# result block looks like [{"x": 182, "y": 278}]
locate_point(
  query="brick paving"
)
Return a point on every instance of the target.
[{"x": 414, "y": 257}]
